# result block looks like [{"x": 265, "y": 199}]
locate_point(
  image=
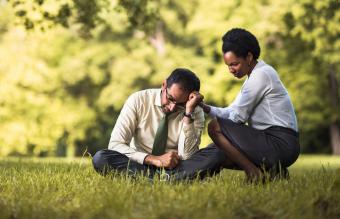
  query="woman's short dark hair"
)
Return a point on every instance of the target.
[
  {"x": 240, "y": 42},
  {"x": 186, "y": 78}
]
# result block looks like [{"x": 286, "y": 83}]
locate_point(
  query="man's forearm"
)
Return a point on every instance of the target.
[
  {"x": 128, "y": 151},
  {"x": 190, "y": 136}
]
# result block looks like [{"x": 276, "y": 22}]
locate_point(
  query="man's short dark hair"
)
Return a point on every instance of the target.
[
  {"x": 240, "y": 42},
  {"x": 186, "y": 78}
]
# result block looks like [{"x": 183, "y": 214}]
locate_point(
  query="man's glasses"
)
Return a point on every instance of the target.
[{"x": 171, "y": 100}]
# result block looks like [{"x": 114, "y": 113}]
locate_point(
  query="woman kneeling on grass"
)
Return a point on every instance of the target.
[{"x": 269, "y": 141}]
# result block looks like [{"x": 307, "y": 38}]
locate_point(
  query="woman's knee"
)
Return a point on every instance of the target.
[{"x": 213, "y": 128}]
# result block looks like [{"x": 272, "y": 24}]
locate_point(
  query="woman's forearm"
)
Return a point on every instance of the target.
[{"x": 206, "y": 108}]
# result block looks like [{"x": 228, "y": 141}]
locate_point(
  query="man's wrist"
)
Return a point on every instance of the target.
[
  {"x": 148, "y": 160},
  {"x": 188, "y": 117},
  {"x": 189, "y": 110},
  {"x": 152, "y": 160}
]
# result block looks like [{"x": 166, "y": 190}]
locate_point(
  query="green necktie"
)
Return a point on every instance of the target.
[{"x": 161, "y": 137}]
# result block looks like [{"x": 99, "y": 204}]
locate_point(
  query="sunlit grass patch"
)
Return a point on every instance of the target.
[
  {"x": 59, "y": 188},
  {"x": 317, "y": 161}
]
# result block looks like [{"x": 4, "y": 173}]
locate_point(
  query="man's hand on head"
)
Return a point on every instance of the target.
[
  {"x": 194, "y": 99},
  {"x": 168, "y": 160}
]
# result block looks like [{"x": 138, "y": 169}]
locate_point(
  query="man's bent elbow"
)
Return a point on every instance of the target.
[{"x": 187, "y": 154}]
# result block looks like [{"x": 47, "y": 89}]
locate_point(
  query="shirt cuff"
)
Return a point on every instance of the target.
[
  {"x": 139, "y": 157},
  {"x": 213, "y": 111}
]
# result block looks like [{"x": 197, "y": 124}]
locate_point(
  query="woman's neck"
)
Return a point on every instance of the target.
[{"x": 252, "y": 66}]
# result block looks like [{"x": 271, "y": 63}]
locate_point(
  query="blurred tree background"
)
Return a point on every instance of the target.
[{"x": 67, "y": 66}]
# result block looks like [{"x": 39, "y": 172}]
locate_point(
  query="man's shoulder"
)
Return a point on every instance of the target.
[
  {"x": 151, "y": 91},
  {"x": 147, "y": 93},
  {"x": 143, "y": 96}
]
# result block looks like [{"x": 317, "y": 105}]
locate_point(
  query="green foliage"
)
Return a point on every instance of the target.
[
  {"x": 305, "y": 50},
  {"x": 58, "y": 188},
  {"x": 142, "y": 14},
  {"x": 37, "y": 110},
  {"x": 42, "y": 14},
  {"x": 317, "y": 23},
  {"x": 61, "y": 89}
]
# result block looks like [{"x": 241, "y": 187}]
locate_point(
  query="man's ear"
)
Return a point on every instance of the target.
[{"x": 164, "y": 85}]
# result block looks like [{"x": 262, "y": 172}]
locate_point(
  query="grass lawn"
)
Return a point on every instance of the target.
[{"x": 60, "y": 188}]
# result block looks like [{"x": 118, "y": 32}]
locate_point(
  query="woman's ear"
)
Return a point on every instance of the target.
[{"x": 250, "y": 58}]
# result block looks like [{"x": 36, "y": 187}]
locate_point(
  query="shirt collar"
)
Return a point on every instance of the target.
[
  {"x": 158, "y": 101},
  {"x": 259, "y": 64}
]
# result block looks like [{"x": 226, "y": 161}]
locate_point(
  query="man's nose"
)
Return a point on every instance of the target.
[{"x": 172, "y": 106}]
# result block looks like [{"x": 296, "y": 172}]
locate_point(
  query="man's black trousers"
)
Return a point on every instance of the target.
[{"x": 205, "y": 162}]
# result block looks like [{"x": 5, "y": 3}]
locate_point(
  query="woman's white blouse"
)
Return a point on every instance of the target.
[{"x": 262, "y": 102}]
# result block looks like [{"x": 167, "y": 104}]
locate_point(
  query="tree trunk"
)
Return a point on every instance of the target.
[
  {"x": 334, "y": 126},
  {"x": 157, "y": 40},
  {"x": 335, "y": 138}
]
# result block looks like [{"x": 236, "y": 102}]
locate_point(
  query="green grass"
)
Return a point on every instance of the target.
[{"x": 59, "y": 188}]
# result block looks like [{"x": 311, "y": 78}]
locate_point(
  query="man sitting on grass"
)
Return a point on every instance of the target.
[{"x": 161, "y": 129}]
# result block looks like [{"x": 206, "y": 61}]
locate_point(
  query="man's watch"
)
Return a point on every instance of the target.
[{"x": 189, "y": 115}]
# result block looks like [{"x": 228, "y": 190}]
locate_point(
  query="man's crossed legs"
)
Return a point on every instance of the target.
[{"x": 205, "y": 162}]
